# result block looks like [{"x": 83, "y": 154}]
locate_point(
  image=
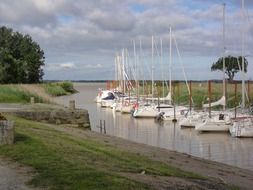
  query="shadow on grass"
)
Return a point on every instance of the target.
[{"x": 20, "y": 138}]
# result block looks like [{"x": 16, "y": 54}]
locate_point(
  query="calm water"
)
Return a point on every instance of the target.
[{"x": 219, "y": 147}]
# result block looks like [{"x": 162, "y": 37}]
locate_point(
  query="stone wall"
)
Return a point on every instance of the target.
[
  {"x": 6, "y": 132},
  {"x": 56, "y": 115}
]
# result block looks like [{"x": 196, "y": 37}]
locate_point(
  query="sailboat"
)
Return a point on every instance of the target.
[
  {"x": 243, "y": 125},
  {"x": 217, "y": 121},
  {"x": 151, "y": 110}
]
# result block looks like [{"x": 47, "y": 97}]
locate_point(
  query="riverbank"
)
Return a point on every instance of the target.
[
  {"x": 63, "y": 157},
  {"x": 72, "y": 158}
]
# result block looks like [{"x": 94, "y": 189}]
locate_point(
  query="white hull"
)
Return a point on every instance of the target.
[
  {"x": 192, "y": 119},
  {"x": 189, "y": 122},
  {"x": 151, "y": 111},
  {"x": 216, "y": 123},
  {"x": 126, "y": 109},
  {"x": 107, "y": 103},
  {"x": 242, "y": 128},
  {"x": 148, "y": 112},
  {"x": 169, "y": 115}
]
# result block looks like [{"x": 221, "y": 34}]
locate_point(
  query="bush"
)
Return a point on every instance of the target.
[
  {"x": 54, "y": 89},
  {"x": 67, "y": 86}
]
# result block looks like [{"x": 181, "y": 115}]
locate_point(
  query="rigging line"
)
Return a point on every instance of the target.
[
  {"x": 245, "y": 90},
  {"x": 181, "y": 63}
]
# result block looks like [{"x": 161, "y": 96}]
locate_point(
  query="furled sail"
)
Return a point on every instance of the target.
[{"x": 221, "y": 101}]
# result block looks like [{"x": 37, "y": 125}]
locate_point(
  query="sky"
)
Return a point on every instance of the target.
[{"x": 80, "y": 38}]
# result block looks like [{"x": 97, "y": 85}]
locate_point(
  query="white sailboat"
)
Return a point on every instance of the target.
[
  {"x": 177, "y": 112},
  {"x": 220, "y": 121},
  {"x": 243, "y": 125},
  {"x": 155, "y": 109}
]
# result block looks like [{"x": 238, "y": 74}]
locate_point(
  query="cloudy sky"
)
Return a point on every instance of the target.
[{"x": 81, "y": 37}]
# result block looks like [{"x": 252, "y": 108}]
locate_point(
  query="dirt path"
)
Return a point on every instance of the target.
[
  {"x": 13, "y": 176},
  {"x": 213, "y": 170}
]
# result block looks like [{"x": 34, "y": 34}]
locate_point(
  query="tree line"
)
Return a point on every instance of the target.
[{"x": 21, "y": 58}]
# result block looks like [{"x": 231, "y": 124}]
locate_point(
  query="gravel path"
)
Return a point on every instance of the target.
[{"x": 13, "y": 176}]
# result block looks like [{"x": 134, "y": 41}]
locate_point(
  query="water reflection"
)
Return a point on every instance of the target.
[{"x": 219, "y": 147}]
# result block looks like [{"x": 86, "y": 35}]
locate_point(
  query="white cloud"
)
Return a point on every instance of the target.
[
  {"x": 90, "y": 66},
  {"x": 67, "y": 65},
  {"x": 60, "y": 66},
  {"x": 100, "y": 28}
]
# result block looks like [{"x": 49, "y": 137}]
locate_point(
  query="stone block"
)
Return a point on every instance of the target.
[{"x": 6, "y": 132}]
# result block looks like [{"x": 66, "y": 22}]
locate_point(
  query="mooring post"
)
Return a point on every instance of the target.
[
  {"x": 190, "y": 96},
  {"x": 249, "y": 89},
  {"x": 104, "y": 128},
  {"x": 209, "y": 94},
  {"x": 32, "y": 100},
  {"x": 235, "y": 98},
  {"x": 100, "y": 126},
  {"x": 72, "y": 105}
]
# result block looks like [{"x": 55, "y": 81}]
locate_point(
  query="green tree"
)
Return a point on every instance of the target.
[
  {"x": 232, "y": 65},
  {"x": 21, "y": 58}
]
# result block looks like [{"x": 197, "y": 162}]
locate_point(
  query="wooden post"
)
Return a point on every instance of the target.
[
  {"x": 190, "y": 96},
  {"x": 101, "y": 126},
  {"x": 104, "y": 128},
  {"x": 72, "y": 105},
  {"x": 178, "y": 90},
  {"x": 32, "y": 100},
  {"x": 209, "y": 96},
  {"x": 249, "y": 89},
  {"x": 226, "y": 93},
  {"x": 235, "y": 98}
]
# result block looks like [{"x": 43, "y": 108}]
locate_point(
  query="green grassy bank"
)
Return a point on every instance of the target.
[
  {"x": 59, "y": 88},
  {"x": 15, "y": 94},
  {"x": 63, "y": 161}
]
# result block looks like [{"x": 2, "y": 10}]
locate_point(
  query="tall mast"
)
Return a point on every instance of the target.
[
  {"x": 115, "y": 67},
  {"x": 152, "y": 67},
  {"x": 243, "y": 73},
  {"x": 223, "y": 59},
  {"x": 123, "y": 70},
  {"x": 161, "y": 43},
  {"x": 170, "y": 61},
  {"x": 135, "y": 63},
  {"x": 142, "y": 66}
]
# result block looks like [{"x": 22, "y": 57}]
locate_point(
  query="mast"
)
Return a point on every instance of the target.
[
  {"x": 123, "y": 70},
  {"x": 243, "y": 69},
  {"x": 170, "y": 60},
  {"x": 223, "y": 59},
  {"x": 142, "y": 65},
  {"x": 161, "y": 43},
  {"x": 152, "y": 67}
]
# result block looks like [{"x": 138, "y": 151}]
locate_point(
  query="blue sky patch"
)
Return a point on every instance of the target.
[{"x": 137, "y": 8}]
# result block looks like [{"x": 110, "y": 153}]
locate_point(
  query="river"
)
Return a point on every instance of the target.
[{"x": 220, "y": 147}]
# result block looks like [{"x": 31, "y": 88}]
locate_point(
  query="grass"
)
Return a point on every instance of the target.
[
  {"x": 66, "y": 162},
  {"x": 200, "y": 92},
  {"x": 59, "y": 88},
  {"x": 14, "y": 94}
]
